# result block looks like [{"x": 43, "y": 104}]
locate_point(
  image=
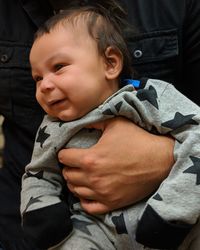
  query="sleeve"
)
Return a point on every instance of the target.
[
  {"x": 172, "y": 211},
  {"x": 175, "y": 207},
  {"x": 45, "y": 213}
]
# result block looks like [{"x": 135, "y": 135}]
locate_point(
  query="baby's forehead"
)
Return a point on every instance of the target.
[
  {"x": 82, "y": 21},
  {"x": 74, "y": 20},
  {"x": 77, "y": 28}
]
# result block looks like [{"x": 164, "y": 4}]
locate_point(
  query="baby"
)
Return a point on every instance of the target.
[{"x": 80, "y": 63}]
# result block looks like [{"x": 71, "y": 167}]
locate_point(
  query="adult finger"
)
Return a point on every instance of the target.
[
  {"x": 81, "y": 192},
  {"x": 94, "y": 207},
  {"x": 71, "y": 157},
  {"x": 75, "y": 176}
]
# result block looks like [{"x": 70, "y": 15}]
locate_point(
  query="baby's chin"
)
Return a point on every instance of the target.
[{"x": 69, "y": 117}]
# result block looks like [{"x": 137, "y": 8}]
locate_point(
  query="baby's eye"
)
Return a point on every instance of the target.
[
  {"x": 58, "y": 67},
  {"x": 37, "y": 78}
]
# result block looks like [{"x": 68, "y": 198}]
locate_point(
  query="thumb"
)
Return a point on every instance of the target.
[{"x": 72, "y": 157}]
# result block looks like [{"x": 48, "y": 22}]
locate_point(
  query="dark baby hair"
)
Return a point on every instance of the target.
[{"x": 105, "y": 22}]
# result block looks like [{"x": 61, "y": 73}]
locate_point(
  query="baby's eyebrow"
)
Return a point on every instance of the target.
[
  {"x": 33, "y": 66},
  {"x": 57, "y": 55}
]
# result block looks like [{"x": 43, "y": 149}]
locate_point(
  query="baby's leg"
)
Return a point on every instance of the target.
[
  {"x": 112, "y": 231},
  {"x": 104, "y": 232},
  {"x": 87, "y": 235}
]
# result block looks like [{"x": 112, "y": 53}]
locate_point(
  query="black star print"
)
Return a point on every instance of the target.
[
  {"x": 149, "y": 95},
  {"x": 154, "y": 130},
  {"x": 194, "y": 169},
  {"x": 179, "y": 120},
  {"x": 157, "y": 197},
  {"x": 42, "y": 136},
  {"x": 38, "y": 175},
  {"x": 32, "y": 201},
  {"x": 107, "y": 112},
  {"x": 120, "y": 224},
  {"x": 132, "y": 104},
  {"x": 81, "y": 225},
  {"x": 61, "y": 123},
  {"x": 118, "y": 106}
]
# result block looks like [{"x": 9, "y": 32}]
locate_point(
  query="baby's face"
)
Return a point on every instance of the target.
[{"x": 69, "y": 73}]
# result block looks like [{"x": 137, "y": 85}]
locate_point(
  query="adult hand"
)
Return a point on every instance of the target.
[{"x": 126, "y": 165}]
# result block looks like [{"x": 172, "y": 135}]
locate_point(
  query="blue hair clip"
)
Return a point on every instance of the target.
[{"x": 135, "y": 83}]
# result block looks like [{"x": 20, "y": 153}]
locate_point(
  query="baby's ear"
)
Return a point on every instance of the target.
[{"x": 113, "y": 63}]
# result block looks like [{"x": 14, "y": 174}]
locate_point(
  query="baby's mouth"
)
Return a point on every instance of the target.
[{"x": 55, "y": 102}]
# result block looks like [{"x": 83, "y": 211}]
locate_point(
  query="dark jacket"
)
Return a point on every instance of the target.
[
  {"x": 168, "y": 34},
  {"x": 165, "y": 45}
]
